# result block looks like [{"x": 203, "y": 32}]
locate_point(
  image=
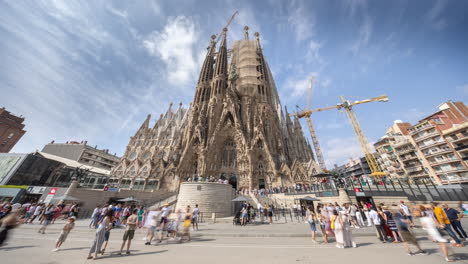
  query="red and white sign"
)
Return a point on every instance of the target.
[
  {"x": 50, "y": 195},
  {"x": 53, "y": 191}
]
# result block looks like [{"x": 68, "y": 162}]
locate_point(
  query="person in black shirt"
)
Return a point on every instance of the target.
[
  {"x": 455, "y": 216},
  {"x": 402, "y": 222}
]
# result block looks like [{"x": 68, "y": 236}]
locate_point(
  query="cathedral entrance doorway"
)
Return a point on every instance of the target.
[{"x": 261, "y": 184}]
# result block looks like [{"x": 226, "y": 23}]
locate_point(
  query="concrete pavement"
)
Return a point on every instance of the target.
[{"x": 212, "y": 244}]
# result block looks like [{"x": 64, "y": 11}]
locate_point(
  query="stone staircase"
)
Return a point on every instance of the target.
[{"x": 171, "y": 200}]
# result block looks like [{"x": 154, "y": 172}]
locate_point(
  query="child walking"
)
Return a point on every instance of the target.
[{"x": 65, "y": 231}]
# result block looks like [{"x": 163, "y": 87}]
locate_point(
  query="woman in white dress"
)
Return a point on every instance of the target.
[
  {"x": 337, "y": 225},
  {"x": 346, "y": 230}
]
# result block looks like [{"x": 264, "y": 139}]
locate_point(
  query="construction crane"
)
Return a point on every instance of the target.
[
  {"x": 318, "y": 150},
  {"x": 227, "y": 25},
  {"x": 348, "y": 106}
]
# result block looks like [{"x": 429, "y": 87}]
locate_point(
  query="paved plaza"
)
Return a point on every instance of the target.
[{"x": 216, "y": 243}]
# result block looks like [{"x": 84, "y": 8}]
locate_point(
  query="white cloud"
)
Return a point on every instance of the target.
[
  {"x": 364, "y": 35},
  {"x": 302, "y": 20},
  {"x": 174, "y": 45},
  {"x": 340, "y": 150},
  {"x": 313, "y": 52},
  {"x": 434, "y": 15}
]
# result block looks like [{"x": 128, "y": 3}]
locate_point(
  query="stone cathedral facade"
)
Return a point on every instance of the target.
[{"x": 234, "y": 129}]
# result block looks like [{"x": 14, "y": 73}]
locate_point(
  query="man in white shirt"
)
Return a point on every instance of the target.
[
  {"x": 37, "y": 212},
  {"x": 165, "y": 211},
  {"x": 407, "y": 212},
  {"x": 374, "y": 217}
]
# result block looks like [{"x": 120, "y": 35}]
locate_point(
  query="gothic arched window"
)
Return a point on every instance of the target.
[{"x": 229, "y": 154}]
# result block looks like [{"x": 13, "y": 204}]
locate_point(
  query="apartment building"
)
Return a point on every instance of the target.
[
  {"x": 457, "y": 136},
  {"x": 436, "y": 137},
  {"x": 83, "y": 153},
  {"x": 387, "y": 157}
]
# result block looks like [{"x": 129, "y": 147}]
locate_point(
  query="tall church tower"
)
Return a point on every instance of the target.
[{"x": 236, "y": 129}]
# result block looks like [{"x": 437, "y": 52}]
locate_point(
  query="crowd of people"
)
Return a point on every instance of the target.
[
  {"x": 393, "y": 224},
  {"x": 12, "y": 215},
  {"x": 207, "y": 179}
]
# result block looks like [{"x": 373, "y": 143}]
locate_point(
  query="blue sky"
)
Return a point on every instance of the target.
[{"x": 93, "y": 70}]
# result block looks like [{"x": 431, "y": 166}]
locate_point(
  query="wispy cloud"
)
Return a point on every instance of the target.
[
  {"x": 364, "y": 35},
  {"x": 302, "y": 20},
  {"x": 434, "y": 16}
]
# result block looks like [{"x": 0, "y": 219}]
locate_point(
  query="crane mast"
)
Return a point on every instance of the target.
[
  {"x": 313, "y": 135},
  {"x": 370, "y": 158}
]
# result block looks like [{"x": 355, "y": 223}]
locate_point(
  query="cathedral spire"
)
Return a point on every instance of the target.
[
  {"x": 206, "y": 73},
  {"x": 246, "y": 33},
  {"x": 145, "y": 124},
  {"x": 221, "y": 59},
  {"x": 257, "y": 38}
]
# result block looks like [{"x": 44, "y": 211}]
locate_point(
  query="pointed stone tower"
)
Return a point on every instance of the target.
[{"x": 236, "y": 130}]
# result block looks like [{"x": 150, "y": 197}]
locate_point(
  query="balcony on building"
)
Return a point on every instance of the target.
[
  {"x": 420, "y": 127},
  {"x": 409, "y": 157},
  {"x": 444, "y": 161},
  {"x": 425, "y": 135},
  {"x": 461, "y": 148},
  {"x": 432, "y": 144},
  {"x": 405, "y": 150},
  {"x": 414, "y": 168},
  {"x": 429, "y": 154}
]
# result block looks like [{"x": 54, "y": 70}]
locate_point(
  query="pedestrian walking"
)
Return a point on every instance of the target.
[
  {"x": 64, "y": 233},
  {"x": 153, "y": 224},
  {"x": 455, "y": 217},
  {"x": 402, "y": 223},
  {"x": 95, "y": 217},
  {"x": 132, "y": 223},
  {"x": 9, "y": 221},
  {"x": 141, "y": 214},
  {"x": 195, "y": 213},
  {"x": 406, "y": 212},
  {"x": 376, "y": 220},
  {"x": 444, "y": 223},
  {"x": 430, "y": 224},
  {"x": 100, "y": 234},
  {"x": 312, "y": 221},
  {"x": 47, "y": 216},
  {"x": 388, "y": 216},
  {"x": 37, "y": 212}
]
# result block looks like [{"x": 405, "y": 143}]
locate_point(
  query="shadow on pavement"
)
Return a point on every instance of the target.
[
  {"x": 78, "y": 248},
  {"x": 114, "y": 254},
  {"x": 13, "y": 248}
]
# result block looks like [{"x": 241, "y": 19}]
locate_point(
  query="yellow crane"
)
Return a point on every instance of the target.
[
  {"x": 348, "y": 107},
  {"x": 318, "y": 150}
]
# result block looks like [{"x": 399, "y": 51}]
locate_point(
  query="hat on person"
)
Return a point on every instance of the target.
[
  {"x": 402, "y": 201},
  {"x": 16, "y": 206},
  {"x": 166, "y": 204},
  {"x": 72, "y": 218}
]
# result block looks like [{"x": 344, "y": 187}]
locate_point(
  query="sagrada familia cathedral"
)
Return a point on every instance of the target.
[{"x": 234, "y": 129}]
